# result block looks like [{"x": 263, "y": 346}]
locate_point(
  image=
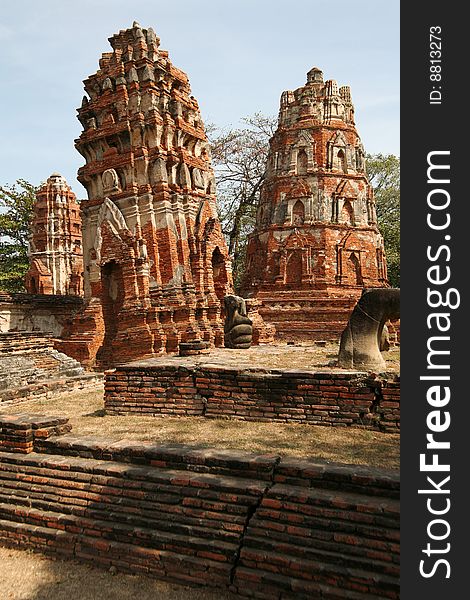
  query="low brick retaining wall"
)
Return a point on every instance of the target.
[
  {"x": 334, "y": 398},
  {"x": 19, "y": 432},
  {"x": 39, "y": 313},
  {"x": 259, "y": 525}
]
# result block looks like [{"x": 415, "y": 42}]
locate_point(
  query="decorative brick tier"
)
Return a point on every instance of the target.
[
  {"x": 261, "y": 526},
  {"x": 184, "y": 387},
  {"x": 311, "y": 315}
]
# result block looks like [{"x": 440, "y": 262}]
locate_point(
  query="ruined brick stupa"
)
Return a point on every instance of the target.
[
  {"x": 55, "y": 244},
  {"x": 156, "y": 263},
  {"x": 316, "y": 244}
]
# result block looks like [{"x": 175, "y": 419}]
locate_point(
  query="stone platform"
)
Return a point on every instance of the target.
[
  {"x": 281, "y": 384},
  {"x": 300, "y": 315}
]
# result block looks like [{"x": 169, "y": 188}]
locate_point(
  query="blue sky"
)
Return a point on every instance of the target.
[{"x": 239, "y": 56}]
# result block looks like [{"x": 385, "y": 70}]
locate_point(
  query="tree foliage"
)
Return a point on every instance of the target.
[
  {"x": 16, "y": 208},
  {"x": 239, "y": 159},
  {"x": 384, "y": 175}
]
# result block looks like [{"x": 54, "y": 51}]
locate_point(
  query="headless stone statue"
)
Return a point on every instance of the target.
[
  {"x": 238, "y": 328},
  {"x": 362, "y": 337}
]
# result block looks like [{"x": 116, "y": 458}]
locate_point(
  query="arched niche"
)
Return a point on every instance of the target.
[
  {"x": 219, "y": 272},
  {"x": 355, "y": 266},
  {"x": 347, "y": 213},
  {"x": 298, "y": 213},
  {"x": 302, "y": 161},
  {"x": 341, "y": 162},
  {"x": 294, "y": 268}
]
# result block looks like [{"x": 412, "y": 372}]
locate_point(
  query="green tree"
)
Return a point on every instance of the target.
[
  {"x": 384, "y": 175},
  {"x": 16, "y": 207},
  {"x": 239, "y": 159}
]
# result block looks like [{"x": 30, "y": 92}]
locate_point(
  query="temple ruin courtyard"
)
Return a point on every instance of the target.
[{"x": 153, "y": 422}]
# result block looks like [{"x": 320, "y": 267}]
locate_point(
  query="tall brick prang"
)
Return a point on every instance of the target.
[
  {"x": 316, "y": 244},
  {"x": 156, "y": 263},
  {"x": 56, "y": 241}
]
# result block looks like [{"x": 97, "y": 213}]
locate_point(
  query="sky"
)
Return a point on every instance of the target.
[{"x": 239, "y": 56}]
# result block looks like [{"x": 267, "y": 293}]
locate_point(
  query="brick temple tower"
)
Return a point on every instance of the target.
[
  {"x": 316, "y": 244},
  {"x": 56, "y": 241},
  {"x": 156, "y": 263}
]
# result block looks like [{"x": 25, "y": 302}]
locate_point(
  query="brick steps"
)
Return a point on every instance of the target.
[
  {"x": 314, "y": 537},
  {"x": 195, "y": 521},
  {"x": 325, "y": 583},
  {"x": 261, "y": 526},
  {"x": 19, "y": 341},
  {"x": 166, "y": 565},
  {"x": 162, "y": 507},
  {"x": 112, "y": 530}
]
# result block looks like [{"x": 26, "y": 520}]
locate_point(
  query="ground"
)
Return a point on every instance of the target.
[{"x": 29, "y": 576}]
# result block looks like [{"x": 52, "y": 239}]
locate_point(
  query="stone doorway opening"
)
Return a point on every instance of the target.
[
  {"x": 294, "y": 268},
  {"x": 112, "y": 282},
  {"x": 219, "y": 272},
  {"x": 355, "y": 265}
]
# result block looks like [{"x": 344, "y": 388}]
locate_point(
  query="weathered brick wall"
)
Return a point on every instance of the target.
[
  {"x": 261, "y": 526},
  {"x": 323, "y": 398},
  {"x": 39, "y": 313},
  {"x": 31, "y": 367}
]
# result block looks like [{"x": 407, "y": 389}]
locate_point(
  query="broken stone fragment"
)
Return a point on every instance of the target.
[{"x": 361, "y": 339}]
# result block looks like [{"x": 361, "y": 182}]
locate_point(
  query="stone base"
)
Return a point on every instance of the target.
[
  {"x": 301, "y": 316},
  {"x": 200, "y": 516},
  {"x": 194, "y": 348}
]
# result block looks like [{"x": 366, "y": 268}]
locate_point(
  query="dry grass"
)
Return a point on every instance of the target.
[
  {"x": 28, "y": 576},
  {"x": 346, "y": 445}
]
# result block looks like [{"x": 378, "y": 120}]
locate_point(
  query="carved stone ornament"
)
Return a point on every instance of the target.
[{"x": 110, "y": 181}]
